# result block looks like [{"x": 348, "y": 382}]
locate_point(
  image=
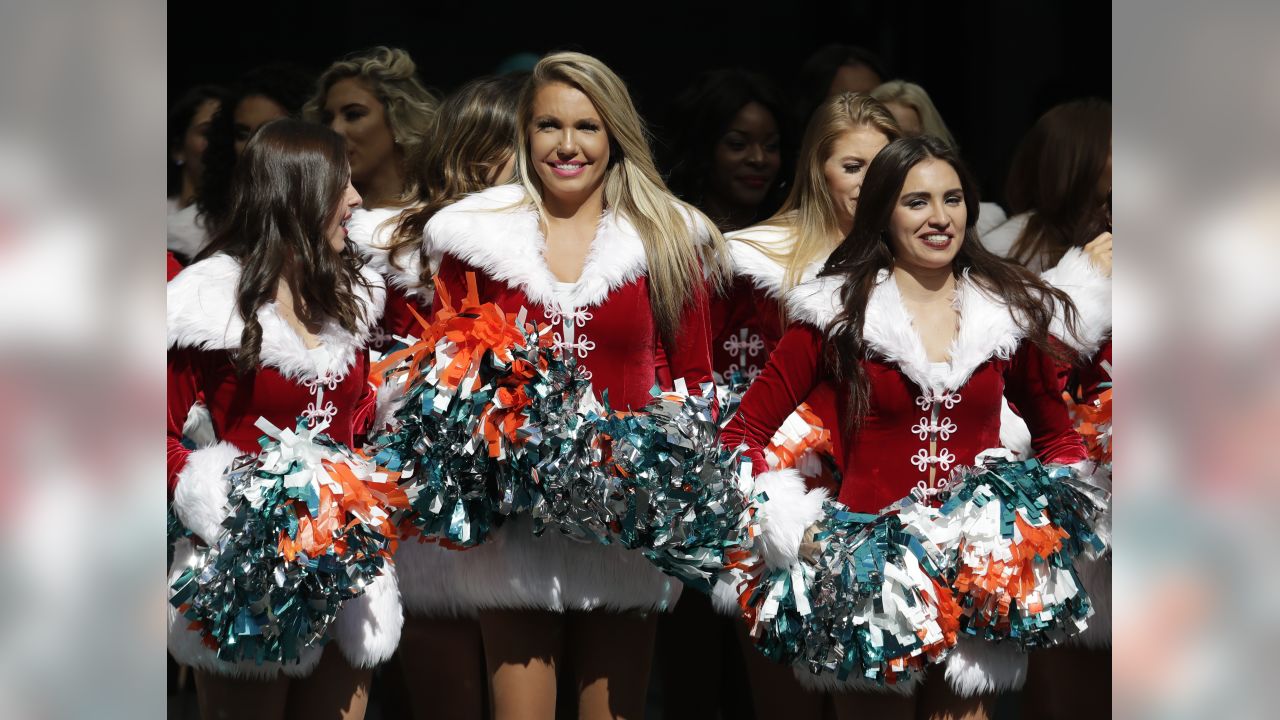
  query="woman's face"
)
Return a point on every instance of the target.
[
  {"x": 251, "y": 113},
  {"x": 355, "y": 113},
  {"x": 747, "y": 157},
  {"x": 568, "y": 143},
  {"x": 337, "y": 234},
  {"x": 845, "y": 168},
  {"x": 926, "y": 228},
  {"x": 196, "y": 139},
  {"x": 907, "y": 117}
]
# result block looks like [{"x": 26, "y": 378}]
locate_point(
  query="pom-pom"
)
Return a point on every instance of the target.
[{"x": 311, "y": 526}]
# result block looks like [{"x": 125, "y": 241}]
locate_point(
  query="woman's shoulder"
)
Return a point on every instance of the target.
[{"x": 1001, "y": 239}]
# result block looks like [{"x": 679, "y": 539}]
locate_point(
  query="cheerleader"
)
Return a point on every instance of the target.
[
  {"x": 1059, "y": 187},
  {"x": 590, "y": 242},
  {"x": 472, "y": 149},
  {"x": 921, "y": 331},
  {"x": 272, "y": 321}
]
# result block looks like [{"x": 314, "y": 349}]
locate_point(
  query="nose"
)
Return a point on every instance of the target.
[
  {"x": 568, "y": 146},
  {"x": 755, "y": 155},
  {"x": 353, "y": 199},
  {"x": 938, "y": 216}
]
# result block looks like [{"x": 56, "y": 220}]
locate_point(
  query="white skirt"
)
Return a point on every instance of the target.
[{"x": 515, "y": 570}]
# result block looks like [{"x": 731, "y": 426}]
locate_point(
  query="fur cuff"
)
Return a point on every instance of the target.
[
  {"x": 785, "y": 515},
  {"x": 1090, "y": 290},
  {"x": 979, "y": 667},
  {"x": 199, "y": 426},
  {"x": 367, "y": 629},
  {"x": 200, "y": 498}
]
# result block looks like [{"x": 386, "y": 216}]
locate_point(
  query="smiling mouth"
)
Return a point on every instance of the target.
[
  {"x": 572, "y": 169},
  {"x": 938, "y": 241}
]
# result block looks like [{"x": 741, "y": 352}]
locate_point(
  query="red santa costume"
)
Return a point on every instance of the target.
[
  {"x": 747, "y": 323},
  {"x": 428, "y": 573},
  {"x": 924, "y": 419},
  {"x": 604, "y": 320},
  {"x": 325, "y": 383}
]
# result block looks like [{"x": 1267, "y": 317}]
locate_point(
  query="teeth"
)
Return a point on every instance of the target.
[
  {"x": 938, "y": 238},
  {"x": 570, "y": 166}
]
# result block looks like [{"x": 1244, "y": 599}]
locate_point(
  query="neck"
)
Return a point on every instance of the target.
[
  {"x": 384, "y": 187},
  {"x": 188, "y": 195},
  {"x": 844, "y": 225},
  {"x": 925, "y": 284},
  {"x": 590, "y": 207},
  {"x": 727, "y": 217}
]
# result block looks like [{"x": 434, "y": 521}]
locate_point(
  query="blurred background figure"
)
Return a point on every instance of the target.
[
  {"x": 917, "y": 115},
  {"x": 727, "y": 150},
  {"x": 376, "y": 102},
  {"x": 1059, "y": 186},
  {"x": 834, "y": 69},
  {"x": 261, "y": 95},
  {"x": 189, "y": 120}
]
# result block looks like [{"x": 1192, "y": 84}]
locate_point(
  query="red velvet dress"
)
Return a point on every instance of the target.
[
  {"x": 604, "y": 320},
  {"x": 325, "y": 384}
]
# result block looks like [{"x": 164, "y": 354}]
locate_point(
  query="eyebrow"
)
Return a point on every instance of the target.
[
  {"x": 924, "y": 195},
  {"x": 588, "y": 118},
  {"x": 352, "y": 105}
]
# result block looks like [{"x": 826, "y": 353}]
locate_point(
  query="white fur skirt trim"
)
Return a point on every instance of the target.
[
  {"x": 367, "y": 631},
  {"x": 1095, "y": 575},
  {"x": 429, "y": 579},
  {"x": 979, "y": 667},
  {"x": 516, "y": 570}
]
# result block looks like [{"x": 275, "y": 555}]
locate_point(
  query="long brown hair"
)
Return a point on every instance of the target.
[
  {"x": 1055, "y": 175},
  {"x": 285, "y": 191},
  {"x": 867, "y": 251},
  {"x": 473, "y": 135}
]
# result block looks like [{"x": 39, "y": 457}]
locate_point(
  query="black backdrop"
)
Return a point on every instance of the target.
[{"x": 991, "y": 67}]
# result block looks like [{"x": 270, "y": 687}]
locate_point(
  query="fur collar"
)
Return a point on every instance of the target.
[
  {"x": 763, "y": 272},
  {"x": 496, "y": 233},
  {"x": 987, "y": 328},
  {"x": 202, "y": 314},
  {"x": 370, "y": 231}
]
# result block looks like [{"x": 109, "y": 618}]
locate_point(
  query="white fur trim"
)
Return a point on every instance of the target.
[
  {"x": 429, "y": 576},
  {"x": 371, "y": 231},
  {"x": 786, "y": 515},
  {"x": 1014, "y": 433},
  {"x": 979, "y": 667},
  {"x": 200, "y": 497},
  {"x": 516, "y": 570},
  {"x": 752, "y": 263},
  {"x": 1095, "y": 576},
  {"x": 187, "y": 647},
  {"x": 367, "y": 628},
  {"x": 199, "y": 426},
  {"x": 202, "y": 314},
  {"x": 1090, "y": 290},
  {"x": 987, "y": 328},
  {"x": 827, "y": 682}
]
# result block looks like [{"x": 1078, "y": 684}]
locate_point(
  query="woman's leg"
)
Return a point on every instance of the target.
[
  {"x": 882, "y": 706},
  {"x": 227, "y": 698},
  {"x": 522, "y": 650},
  {"x": 335, "y": 691},
  {"x": 443, "y": 664},
  {"x": 611, "y": 654},
  {"x": 774, "y": 688},
  {"x": 690, "y": 637}
]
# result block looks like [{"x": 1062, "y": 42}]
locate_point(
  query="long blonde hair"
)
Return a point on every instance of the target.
[
  {"x": 914, "y": 97},
  {"x": 391, "y": 76},
  {"x": 807, "y": 212},
  {"x": 633, "y": 188}
]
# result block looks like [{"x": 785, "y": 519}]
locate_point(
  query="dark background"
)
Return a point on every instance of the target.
[{"x": 990, "y": 67}]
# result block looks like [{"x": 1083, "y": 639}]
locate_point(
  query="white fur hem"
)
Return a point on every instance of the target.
[
  {"x": 367, "y": 628},
  {"x": 516, "y": 570},
  {"x": 188, "y": 648},
  {"x": 429, "y": 575},
  {"x": 979, "y": 667},
  {"x": 1090, "y": 290},
  {"x": 828, "y": 682},
  {"x": 786, "y": 515},
  {"x": 200, "y": 497}
]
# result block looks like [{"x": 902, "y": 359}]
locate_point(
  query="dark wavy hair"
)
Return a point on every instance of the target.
[
  {"x": 701, "y": 115},
  {"x": 820, "y": 69},
  {"x": 867, "y": 251},
  {"x": 285, "y": 191},
  {"x": 283, "y": 83},
  {"x": 1055, "y": 174},
  {"x": 180, "y": 115},
  {"x": 474, "y": 133}
]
